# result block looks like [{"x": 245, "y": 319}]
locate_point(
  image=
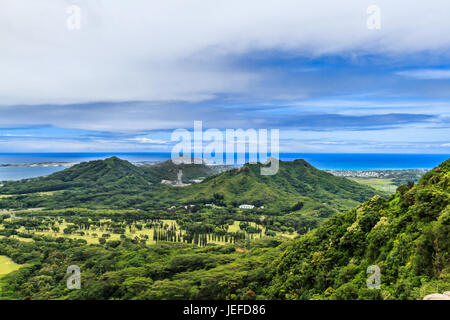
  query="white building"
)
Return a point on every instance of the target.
[{"x": 246, "y": 206}]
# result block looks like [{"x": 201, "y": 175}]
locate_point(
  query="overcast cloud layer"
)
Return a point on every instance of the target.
[{"x": 138, "y": 69}]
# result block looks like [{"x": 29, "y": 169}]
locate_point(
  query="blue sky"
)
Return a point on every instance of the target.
[{"x": 315, "y": 72}]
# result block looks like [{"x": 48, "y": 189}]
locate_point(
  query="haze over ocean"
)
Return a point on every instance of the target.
[{"x": 343, "y": 161}]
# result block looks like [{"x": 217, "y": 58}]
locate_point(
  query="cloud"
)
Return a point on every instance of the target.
[
  {"x": 135, "y": 118},
  {"x": 147, "y": 140},
  {"x": 431, "y": 74},
  {"x": 328, "y": 122},
  {"x": 15, "y": 135},
  {"x": 133, "y": 73},
  {"x": 179, "y": 50}
]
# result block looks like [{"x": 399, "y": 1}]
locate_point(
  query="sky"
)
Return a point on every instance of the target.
[{"x": 135, "y": 71}]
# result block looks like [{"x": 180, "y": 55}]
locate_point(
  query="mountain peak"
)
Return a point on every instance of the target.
[
  {"x": 445, "y": 166},
  {"x": 439, "y": 176},
  {"x": 296, "y": 181},
  {"x": 115, "y": 160}
]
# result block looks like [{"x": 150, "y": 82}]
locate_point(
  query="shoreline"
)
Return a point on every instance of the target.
[
  {"x": 39, "y": 164},
  {"x": 334, "y": 171}
]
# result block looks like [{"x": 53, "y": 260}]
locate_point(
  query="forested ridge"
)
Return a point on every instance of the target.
[
  {"x": 117, "y": 183},
  {"x": 407, "y": 236},
  {"x": 299, "y": 196}
]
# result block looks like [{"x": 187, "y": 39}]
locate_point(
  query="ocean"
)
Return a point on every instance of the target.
[{"x": 330, "y": 161}]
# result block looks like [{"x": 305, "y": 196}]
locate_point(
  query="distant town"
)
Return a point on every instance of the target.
[
  {"x": 397, "y": 177},
  {"x": 39, "y": 164}
]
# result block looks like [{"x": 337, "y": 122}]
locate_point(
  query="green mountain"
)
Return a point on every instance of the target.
[
  {"x": 407, "y": 236},
  {"x": 108, "y": 173},
  {"x": 168, "y": 170},
  {"x": 296, "y": 186},
  {"x": 110, "y": 183}
]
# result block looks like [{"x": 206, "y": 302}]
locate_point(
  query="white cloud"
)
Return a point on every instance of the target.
[
  {"x": 426, "y": 74},
  {"x": 15, "y": 135},
  {"x": 181, "y": 49},
  {"x": 147, "y": 140},
  {"x": 445, "y": 145}
]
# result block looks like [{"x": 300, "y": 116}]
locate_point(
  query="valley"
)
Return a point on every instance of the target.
[
  {"x": 147, "y": 231},
  {"x": 302, "y": 234}
]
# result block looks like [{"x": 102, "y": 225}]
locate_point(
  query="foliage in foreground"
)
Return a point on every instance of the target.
[
  {"x": 407, "y": 236},
  {"x": 126, "y": 270}
]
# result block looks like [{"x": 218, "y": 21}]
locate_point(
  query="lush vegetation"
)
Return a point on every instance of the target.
[
  {"x": 407, "y": 236},
  {"x": 130, "y": 270},
  {"x": 174, "y": 254},
  {"x": 167, "y": 170},
  {"x": 295, "y": 181},
  {"x": 99, "y": 227},
  {"x": 299, "y": 196}
]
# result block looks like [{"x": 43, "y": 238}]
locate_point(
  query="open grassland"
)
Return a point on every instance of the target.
[
  {"x": 7, "y": 265},
  {"x": 135, "y": 231},
  {"x": 377, "y": 183},
  {"x": 236, "y": 228},
  {"x": 93, "y": 235}
]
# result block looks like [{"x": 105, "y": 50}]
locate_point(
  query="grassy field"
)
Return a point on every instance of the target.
[
  {"x": 92, "y": 236},
  {"x": 19, "y": 238},
  {"x": 376, "y": 183},
  {"x": 7, "y": 265}
]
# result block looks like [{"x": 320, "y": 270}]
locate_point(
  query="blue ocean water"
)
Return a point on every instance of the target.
[
  {"x": 359, "y": 161},
  {"x": 17, "y": 173},
  {"x": 344, "y": 161}
]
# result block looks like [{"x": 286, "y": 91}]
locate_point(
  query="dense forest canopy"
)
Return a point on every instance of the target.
[
  {"x": 299, "y": 196},
  {"x": 406, "y": 236}
]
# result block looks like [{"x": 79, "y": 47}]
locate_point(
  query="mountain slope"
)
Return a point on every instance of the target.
[
  {"x": 108, "y": 174},
  {"x": 99, "y": 173},
  {"x": 168, "y": 170},
  {"x": 407, "y": 236},
  {"x": 297, "y": 185},
  {"x": 298, "y": 188}
]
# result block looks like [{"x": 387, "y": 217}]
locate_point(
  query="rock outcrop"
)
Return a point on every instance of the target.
[{"x": 438, "y": 296}]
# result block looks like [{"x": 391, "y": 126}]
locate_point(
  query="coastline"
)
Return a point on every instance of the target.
[{"x": 25, "y": 166}]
